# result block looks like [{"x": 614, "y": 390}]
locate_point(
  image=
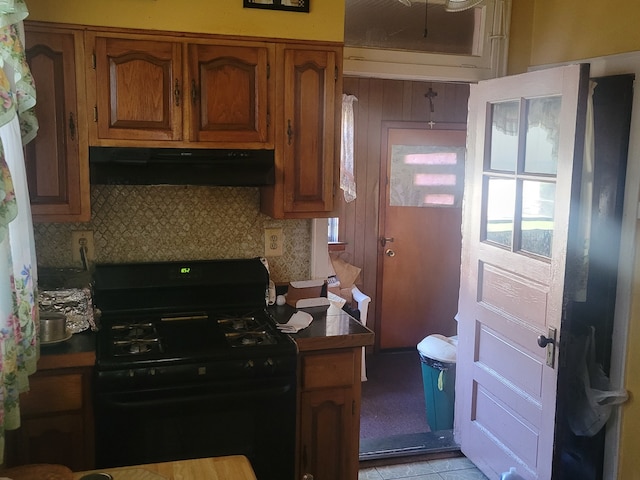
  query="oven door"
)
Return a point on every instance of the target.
[{"x": 251, "y": 417}]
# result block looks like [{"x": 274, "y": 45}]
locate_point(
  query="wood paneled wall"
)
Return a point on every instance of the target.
[{"x": 379, "y": 101}]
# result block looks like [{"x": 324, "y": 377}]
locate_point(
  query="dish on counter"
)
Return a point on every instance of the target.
[{"x": 59, "y": 340}]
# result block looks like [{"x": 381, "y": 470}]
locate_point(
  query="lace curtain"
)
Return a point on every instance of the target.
[
  {"x": 347, "y": 174},
  {"x": 18, "y": 286}
]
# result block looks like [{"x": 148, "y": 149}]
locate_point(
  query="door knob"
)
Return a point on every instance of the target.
[
  {"x": 389, "y": 253},
  {"x": 544, "y": 341}
]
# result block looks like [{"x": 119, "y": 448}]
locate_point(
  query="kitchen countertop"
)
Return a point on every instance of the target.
[
  {"x": 233, "y": 467},
  {"x": 331, "y": 328},
  {"x": 78, "y": 351}
]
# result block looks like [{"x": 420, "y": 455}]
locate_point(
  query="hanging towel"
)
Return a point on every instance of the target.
[{"x": 347, "y": 170}]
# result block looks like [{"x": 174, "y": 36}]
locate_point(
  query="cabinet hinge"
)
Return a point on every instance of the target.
[
  {"x": 268, "y": 119},
  {"x": 93, "y": 60},
  {"x": 335, "y": 74},
  {"x": 95, "y": 113},
  {"x": 353, "y": 407},
  {"x": 268, "y": 71}
]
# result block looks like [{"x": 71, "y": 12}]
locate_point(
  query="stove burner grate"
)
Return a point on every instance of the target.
[{"x": 135, "y": 339}]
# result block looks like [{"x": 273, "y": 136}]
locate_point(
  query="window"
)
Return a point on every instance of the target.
[{"x": 332, "y": 235}]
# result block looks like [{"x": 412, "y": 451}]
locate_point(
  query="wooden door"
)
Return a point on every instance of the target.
[
  {"x": 56, "y": 160},
  {"x": 308, "y": 129},
  {"x": 524, "y": 156},
  {"x": 139, "y": 90},
  {"x": 229, "y": 93},
  {"x": 419, "y": 250}
]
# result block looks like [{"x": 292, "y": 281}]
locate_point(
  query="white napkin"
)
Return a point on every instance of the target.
[{"x": 297, "y": 322}]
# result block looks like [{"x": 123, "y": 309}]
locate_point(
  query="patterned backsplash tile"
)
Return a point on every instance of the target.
[{"x": 164, "y": 223}]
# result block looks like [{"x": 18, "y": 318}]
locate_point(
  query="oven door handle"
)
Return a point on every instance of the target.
[{"x": 132, "y": 403}]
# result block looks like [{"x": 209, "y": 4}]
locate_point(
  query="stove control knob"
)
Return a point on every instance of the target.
[
  {"x": 152, "y": 371},
  {"x": 248, "y": 365},
  {"x": 269, "y": 365},
  {"x": 131, "y": 373}
]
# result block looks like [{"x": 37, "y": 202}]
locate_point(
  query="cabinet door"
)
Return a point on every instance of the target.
[
  {"x": 310, "y": 127},
  {"x": 229, "y": 88},
  {"x": 139, "y": 91},
  {"x": 56, "y": 421},
  {"x": 56, "y": 160},
  {"x": 327, "y": 434}
]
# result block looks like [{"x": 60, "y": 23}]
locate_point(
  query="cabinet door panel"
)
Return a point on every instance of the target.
[
  {"x": 139, "y": 89},
  {"x": 326, "y": 434},
  {"x": 309, "y": 116},
  {"x": 56, "y": 159},
  {"x": 229, "y": 92}
]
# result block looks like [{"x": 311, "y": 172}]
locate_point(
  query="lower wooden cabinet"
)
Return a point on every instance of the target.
[
  {"x": 56, "y": 421},
  {"x": 330, "y": 394}
]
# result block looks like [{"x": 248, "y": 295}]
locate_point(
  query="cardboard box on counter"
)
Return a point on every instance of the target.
[{"x": 307, "y": 293}]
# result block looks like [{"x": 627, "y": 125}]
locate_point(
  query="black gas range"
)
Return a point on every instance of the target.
[{"x": 190, "y": 364}]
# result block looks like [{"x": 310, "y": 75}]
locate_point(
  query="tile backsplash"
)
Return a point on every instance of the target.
[{"x": 163, "y": 223}]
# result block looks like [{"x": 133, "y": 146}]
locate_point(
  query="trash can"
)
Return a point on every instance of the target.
[{"x": 438, "y": 358}]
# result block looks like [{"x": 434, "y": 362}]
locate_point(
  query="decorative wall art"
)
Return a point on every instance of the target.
[{"x": 290, "y": 5}]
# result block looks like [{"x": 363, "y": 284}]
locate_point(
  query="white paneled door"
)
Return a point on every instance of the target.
[{"x": 525, "y": 136}]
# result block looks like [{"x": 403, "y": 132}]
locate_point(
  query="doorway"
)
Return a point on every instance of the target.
[{"x": 422, "y": 172}]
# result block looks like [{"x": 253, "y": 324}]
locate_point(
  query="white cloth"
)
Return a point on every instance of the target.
[
  {"x": 297, "y": 322},
  {"x": 347, "y": 164}
]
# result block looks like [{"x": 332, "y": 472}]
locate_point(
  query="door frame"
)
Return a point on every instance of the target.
[
  {"x": 627, "y": 63},
  {"x": 383, "y": 181}
]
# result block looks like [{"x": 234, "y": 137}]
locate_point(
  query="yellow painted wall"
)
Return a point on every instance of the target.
[
  {"x": 552, "y": 31},
  {"x": 325, "y": 21}
]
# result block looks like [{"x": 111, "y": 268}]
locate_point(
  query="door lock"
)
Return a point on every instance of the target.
[{"x": 549, "y": 342}]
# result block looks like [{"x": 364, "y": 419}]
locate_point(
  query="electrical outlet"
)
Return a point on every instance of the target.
[
  {"x": 82, "y": 245},
  {"x": 273, "y": 240}
]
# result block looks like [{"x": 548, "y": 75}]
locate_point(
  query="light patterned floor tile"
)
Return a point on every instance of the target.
[
  {"x": 465, "y": 474},
  {"x": 369, "y": 474},
  {"x": 406, "y": 470}
]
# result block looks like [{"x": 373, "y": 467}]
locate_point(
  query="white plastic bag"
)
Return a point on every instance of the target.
[{"x": 593, "y": 399}]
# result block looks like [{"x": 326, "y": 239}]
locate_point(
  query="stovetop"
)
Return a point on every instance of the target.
[{"x": 178, "y": 313}]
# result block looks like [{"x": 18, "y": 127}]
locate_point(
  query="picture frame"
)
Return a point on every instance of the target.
[{"x": 287, "y": 5}]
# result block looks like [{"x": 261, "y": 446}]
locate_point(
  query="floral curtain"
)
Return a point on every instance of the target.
[{"x": 18, "y": 286}]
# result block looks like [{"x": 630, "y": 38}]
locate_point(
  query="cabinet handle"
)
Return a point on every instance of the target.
[
  {"x": 193, "y": 92},
  {"x": 176, "y": 94},
  {"x": 289, "y": 131},
  {"x": 72, "y": 127},
  {"x": 307, "y": 476}
]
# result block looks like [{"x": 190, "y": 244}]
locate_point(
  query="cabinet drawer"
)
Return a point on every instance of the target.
[
  {"x": 52, "y": 393},
  {"x": 328, "y": 370}
]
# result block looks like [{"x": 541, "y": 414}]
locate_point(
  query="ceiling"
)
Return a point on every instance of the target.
[{"x": 393, "y": 25}]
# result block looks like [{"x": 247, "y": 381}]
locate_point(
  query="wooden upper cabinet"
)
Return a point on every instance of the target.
[
  {"x": 56, "y": 160},
  {"x": 309, "y": 116},
  {"x": 165, "y": 89},
  {"x": 308, "y": 132},
  {"x": 138, "y": 89},
  {"x": 229, "y": 88}
]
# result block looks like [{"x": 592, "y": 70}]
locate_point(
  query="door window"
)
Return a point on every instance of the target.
[
  {"x": 426, "y": 176},
  {"x": 520, "y": 175}
]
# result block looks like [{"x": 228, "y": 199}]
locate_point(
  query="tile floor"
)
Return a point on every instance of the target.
[{"x": 456, "y": 468}]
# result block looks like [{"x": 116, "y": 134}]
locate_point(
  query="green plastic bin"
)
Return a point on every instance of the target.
[{"x": 438, "y": 358}]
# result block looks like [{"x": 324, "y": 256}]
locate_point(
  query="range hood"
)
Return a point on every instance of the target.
[{"x": 180, "y": 166}]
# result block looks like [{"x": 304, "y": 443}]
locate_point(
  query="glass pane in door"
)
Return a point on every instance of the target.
[
  {"x": 426, "y": 176},
  {"x": 543, "y": 128},
  {"x": 501, "y": 198},
  {"x": 505, "y": 121},
  {"x": 538, "y": 205}
]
